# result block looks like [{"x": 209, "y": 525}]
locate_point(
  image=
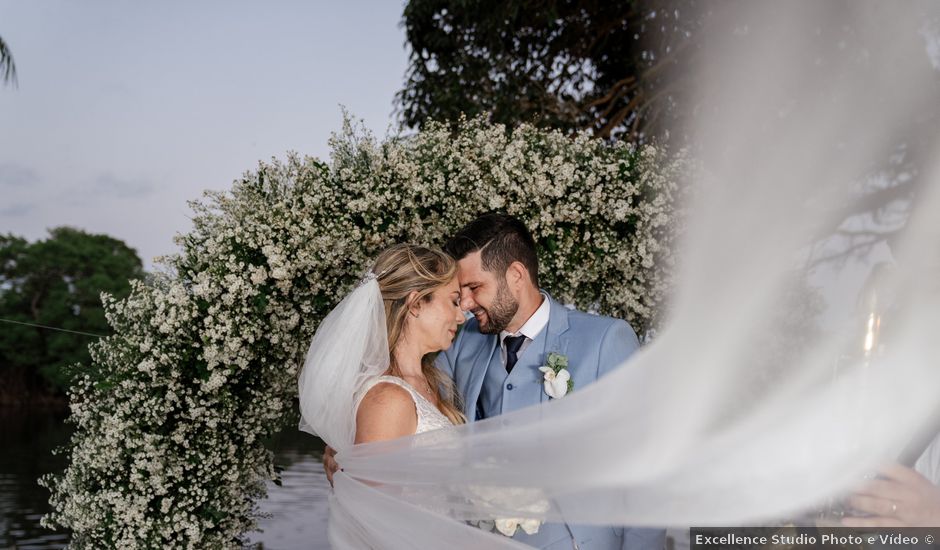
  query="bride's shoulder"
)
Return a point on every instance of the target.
[
  {"x": 386, "y": 411},
  {"x": 386, "y": 391}
]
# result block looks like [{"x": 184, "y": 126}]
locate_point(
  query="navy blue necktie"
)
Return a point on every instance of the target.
[{"x": 513, "y": 343}]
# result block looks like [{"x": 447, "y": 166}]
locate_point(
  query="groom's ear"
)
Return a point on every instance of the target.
[{"x": 516, "y": 274}]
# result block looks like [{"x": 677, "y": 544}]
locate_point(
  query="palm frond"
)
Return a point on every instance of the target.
[{"x": 7, "y": 67}]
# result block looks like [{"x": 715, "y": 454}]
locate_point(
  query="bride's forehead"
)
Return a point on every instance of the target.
[{"x": 450, "y": 287}]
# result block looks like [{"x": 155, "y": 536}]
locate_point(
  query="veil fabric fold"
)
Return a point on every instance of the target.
[
  {"x": 349, "y": 349},
  {"x": 740, "y": 411}
]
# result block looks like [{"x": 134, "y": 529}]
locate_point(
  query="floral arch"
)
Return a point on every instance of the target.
[{"x": 170, "y": 415}]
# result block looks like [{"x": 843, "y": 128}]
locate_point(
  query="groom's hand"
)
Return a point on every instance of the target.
[{"x": 329, "y": 463}]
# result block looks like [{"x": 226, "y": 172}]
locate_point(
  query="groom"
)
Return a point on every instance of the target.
[{"x": 495, "y": 359}]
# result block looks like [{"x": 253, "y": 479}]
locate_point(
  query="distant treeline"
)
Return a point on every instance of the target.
[{"x": 55, "y": 283}]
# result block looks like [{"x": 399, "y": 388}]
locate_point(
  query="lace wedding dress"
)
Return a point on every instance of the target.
[{"x": 429, "y": 417}]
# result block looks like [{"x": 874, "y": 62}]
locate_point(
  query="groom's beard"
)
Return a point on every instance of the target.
[{"x": 500, "y": 312}]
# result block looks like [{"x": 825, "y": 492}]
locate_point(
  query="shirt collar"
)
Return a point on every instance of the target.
[{"x": 534, "y": 325}]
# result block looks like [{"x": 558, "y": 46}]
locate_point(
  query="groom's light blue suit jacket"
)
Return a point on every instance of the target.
[{"x": 594, "y": 346}]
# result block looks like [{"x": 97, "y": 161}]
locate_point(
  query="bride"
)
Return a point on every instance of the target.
[{"x": 369, "y": 373}]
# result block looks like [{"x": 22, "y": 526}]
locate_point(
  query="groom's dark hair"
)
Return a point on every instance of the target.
[{"x": 501, "y": 240}]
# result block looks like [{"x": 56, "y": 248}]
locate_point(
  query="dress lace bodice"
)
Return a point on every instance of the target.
[{"x": 429, "y": 417}]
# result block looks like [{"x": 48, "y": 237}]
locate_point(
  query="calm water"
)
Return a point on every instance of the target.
[{"x": 297, "y": 510}]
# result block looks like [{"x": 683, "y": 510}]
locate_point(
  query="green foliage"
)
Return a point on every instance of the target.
[
  {"x": 556, "y": 361},
  {"x": 57, "y": 282},
  {"x": 605, "y": 67}
]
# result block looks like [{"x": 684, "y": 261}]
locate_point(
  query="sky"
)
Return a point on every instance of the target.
[{"x": 124, "y": 111}]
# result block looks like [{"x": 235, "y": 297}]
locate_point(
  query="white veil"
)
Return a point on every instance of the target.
[
  {"x": 349, "y": 349},
  {"x": 736, "y": 413}
]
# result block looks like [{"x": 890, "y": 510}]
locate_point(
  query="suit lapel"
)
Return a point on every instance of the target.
[
  {"x": 478, "y": 367},
  {"x": 556, "y": 333}
]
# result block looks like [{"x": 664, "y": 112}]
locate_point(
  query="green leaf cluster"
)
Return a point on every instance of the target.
[
  {"x": 583, "y": 65},
  {"x": 56, "y": 282}
]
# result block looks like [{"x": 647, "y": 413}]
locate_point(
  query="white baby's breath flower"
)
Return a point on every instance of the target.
[
  {"x": 216, "y": 380},
  {"x": 258, "y": 275}
]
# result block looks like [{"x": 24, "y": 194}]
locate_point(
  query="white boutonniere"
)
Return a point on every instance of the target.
[{"x": 557, "y": 380}]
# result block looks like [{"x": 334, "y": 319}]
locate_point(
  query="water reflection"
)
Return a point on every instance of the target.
[
  {"x": 27, "y": 439},
  {"x": 296, "y": 511},
  {"x": 298, "y": 508}
]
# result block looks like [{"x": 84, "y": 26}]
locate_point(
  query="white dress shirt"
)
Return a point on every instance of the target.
[{"x": 530, "y": 329}]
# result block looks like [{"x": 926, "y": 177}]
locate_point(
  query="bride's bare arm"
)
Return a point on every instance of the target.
[{"x": 386, "y": 412}]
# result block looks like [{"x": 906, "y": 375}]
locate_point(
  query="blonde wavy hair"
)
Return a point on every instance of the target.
[{"x": 401, "y": 270}]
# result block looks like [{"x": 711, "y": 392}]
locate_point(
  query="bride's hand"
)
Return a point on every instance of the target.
[
  {"x": 329, "y": 463},
  {"x": 900, "y": 497}
]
